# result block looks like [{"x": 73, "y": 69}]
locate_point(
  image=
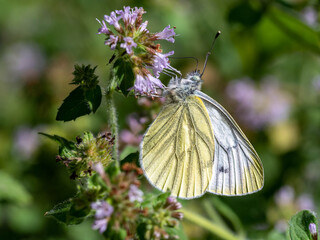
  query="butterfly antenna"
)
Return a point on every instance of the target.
[
  {"x": 209, "y": 53},
  {"x": 196, "y": 59}
]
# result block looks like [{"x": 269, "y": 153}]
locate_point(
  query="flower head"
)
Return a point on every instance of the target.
[
  {"x": 313, "y": 230},
  {"x": 135, "y": 194},
  {"x": 103, "y": 212},
  {"x": 131, "y": 33}
]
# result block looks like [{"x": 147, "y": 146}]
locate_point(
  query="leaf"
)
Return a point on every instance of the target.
[
  {"x": 12, "y": 191},
  {"x": 294, "y": 28},
  {"x": 81, "y": 101},
  {"x": 141, "y": 230},
  {"x": 66, "y": 147},
  {"x": 245, "y": 14},
  {"x": 123, "y": 75},
  {"x": 61, "y": 211},
  {"x": 130, "y": 155},
  {"x": 299, "y": 225}
]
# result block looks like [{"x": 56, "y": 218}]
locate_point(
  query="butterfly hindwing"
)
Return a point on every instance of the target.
[
  {"x": 237, "y": 168},
  {"x": 177, "y": 150}
]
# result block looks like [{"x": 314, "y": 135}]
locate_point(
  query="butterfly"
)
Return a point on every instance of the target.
[{"x": 194, "y": 146}]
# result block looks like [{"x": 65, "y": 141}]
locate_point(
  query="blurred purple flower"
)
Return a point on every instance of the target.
[
  {"x": 284, "y": 196},
  {"x": 310, "y": 16},
  {"x": 132, "y": 136},
  {"x": 316, "y": 83},
  {"x": 128, "y": 44},
  {"x": 98, "y": 167},
  {"x": 103, "y": 212},
  {"x": 262, "y": 107},
  {"x": 305, "y": 201},
  {"x": 26, "y": 141},
  {"x": 100, "y": 224},
  {"x": 135, "y": 194},
  {"x": 24, "y": 61},
  {"x": 104, "y": 29}
]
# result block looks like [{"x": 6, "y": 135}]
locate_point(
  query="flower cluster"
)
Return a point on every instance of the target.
[
  {"x": 80, "y": 157},
  {"x": 122, "y": 210},
  {"x": 131, "y": 40},
  {"x": 259, "y": 108}
]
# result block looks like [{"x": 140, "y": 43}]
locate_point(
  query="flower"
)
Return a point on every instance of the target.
[
  {"x": 259, "y": 107},
  {"x": 135, "y": 194},
  {"x": 132, "y": 33},
  {"x": 167, "y": 34},
  {"x": 146, "y": 84},
  {"x": 128, "y": 44},
  {"x": 313, "y": 230},
  {"x": 161, "y": 62},
  {"x": 103, "y": 212},
  {"x": 26, "y": 141},
  {"x": 112, "y": 42}
]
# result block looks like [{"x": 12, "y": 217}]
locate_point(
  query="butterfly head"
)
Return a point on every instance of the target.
[{"x": 180, "y": 88}]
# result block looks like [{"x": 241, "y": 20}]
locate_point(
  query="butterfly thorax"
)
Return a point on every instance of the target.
[{"x": 180, "y": 88}]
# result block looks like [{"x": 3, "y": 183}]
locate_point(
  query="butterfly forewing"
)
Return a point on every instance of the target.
[
  {"x": 177, "y": 150},
  {"x": 237, "y": 168}
]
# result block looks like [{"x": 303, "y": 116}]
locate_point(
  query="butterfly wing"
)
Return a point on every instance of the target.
[
  {"x": 237, "y": 168},
  {"x": 177, "y": 150}
]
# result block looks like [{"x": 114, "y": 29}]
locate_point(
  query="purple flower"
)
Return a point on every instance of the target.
[
  {"x": 313, "y": 230},
  {"x": 26, "y": 141},
  {"x": 104, "y": 29},
  {"x": 112, "y": 42},
  {"x": 98, "y": 167},
  {"x": 128, "y": 44},
  {"x": 146, "y": 84},
  {"x": 100, "y": 224},
  {"x": 135, "y": 194},
  {"x": 310, "y": 16},
  {"x": 284, "y": 196},
  {"x": 129, "y": 15},
  {"x": 305, "y": 201},
  {"x": 166, "y": 34},
  {"x": 160, "y": 62},
  {"x": 103, "y": 209},
  {"x": 113, "y": 20},
  {"x": 259, "y": 107},
  {"x": 143, "y": 27}
]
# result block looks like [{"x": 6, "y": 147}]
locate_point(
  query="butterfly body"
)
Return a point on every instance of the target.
[{"x": 194, "y": 146}]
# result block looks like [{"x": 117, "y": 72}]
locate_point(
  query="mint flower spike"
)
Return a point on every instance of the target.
[
  {"x": 103, "y": 212},
  {"x": 136, "y": 47}
]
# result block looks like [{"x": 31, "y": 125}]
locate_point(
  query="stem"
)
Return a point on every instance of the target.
[
  {"x": 112, "y": 120},
  {"x": 213, "y": 214},
  {"x": 212, "y": 227}
]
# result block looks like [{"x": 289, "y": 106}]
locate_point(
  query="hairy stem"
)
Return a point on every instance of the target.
[
  {"x": 214, "y": 228},
  {"x": 112, "y": 120}
]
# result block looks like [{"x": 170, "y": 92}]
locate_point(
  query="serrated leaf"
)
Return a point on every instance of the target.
[
  {"x": 299, "y": 225},
  {"x": 66, "y": 147},
  {"x": 123, "y": 75},
  {"x": 61, "y": 140},
  {"x": 81, "y": 101},
  {"x": 61, "y": 211}
]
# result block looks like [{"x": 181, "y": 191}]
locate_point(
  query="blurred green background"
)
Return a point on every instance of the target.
[{"x": 265, "y": 70}]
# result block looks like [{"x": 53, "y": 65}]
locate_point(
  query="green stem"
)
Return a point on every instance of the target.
[
  {"x": 212, "y": 227},
  {"x": 212, "y": 213},
  {"x": 112, "y": 120}
]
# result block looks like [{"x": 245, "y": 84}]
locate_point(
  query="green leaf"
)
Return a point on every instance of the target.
[
  {"x": 299, "y": 225},
  {"x": 81, "y": 101},
  {"x": 61, "y": 212},
  {"x": 294, "y": 28},
  {"x": 66, "y": 147},
  {"x": 123, "y": 75},
  {"x": 141, "y": 230},
  {"x": 12, "y": 191}
]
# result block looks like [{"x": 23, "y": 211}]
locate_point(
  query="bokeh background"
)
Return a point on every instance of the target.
[{"x": 265, "y": 70}]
